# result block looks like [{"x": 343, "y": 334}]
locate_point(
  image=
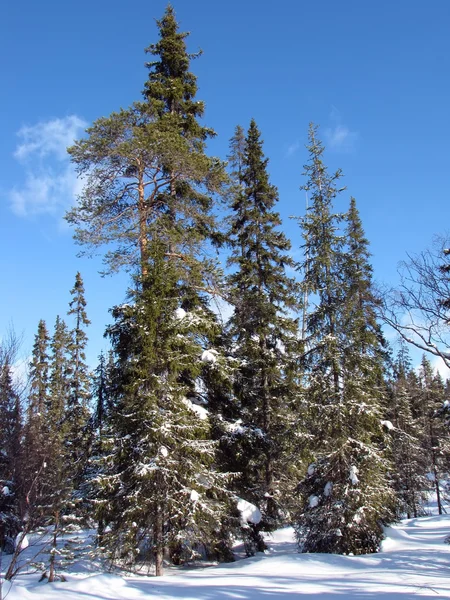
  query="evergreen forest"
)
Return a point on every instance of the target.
[{"x": 193, "y": 430}]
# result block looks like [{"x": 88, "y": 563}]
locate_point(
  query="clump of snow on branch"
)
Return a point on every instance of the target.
[
  {"x": 313, "y": 501},
  {"x": 249, "y": 512},
  {"x": 328, "y": 489},
  {"x": 180, "y": 314},
  {"x": 353, "y": 475},
  {"x": 209, "y": 356},
  {"x": 200, "y": 411}
]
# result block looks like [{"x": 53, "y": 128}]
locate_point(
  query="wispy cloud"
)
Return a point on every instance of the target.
[
  {"x": 292, "y": 149},
  {"x": 50, "y": 183},
  {"x": 340, "y": 137}
]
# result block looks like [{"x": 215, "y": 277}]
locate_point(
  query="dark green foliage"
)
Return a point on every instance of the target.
[
  {"x": 410, "y": 463},
  {"x": 34, "y": 453},
  {"x": 346, "y": 495},
  {"x": 77, "y": 417},
  {"x": 147, "y": 165},
  {"x": 10, "y": 450},
  {"x": 171, "y": 88},
  {"x": 434, "y": 434},
  {"x": 263, "y": 341},
  {"x": 160, "y": 489}
]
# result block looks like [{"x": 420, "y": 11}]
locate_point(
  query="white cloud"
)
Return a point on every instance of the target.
[
  {"x": 50, "y": 184},
  {"x": 339, "y": 137}
]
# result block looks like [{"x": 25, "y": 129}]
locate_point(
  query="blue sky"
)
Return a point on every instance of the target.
[{"x": 373, "y": 75}]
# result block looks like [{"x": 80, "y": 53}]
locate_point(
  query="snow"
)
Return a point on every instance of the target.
[
  {"x": 387, "y": 424},
  {"x": 5, "y": 490},
  {"x": 180, "y": 313},
  {"x": 236, "y": 427},
  {"x": 200, "y": 411},
  {"x": 413, "y": 562},
  {"x": 311, "y": 469},
  {"x": 313, "y": 501},
  {"x": 353, "y": 475},
  {"x": 209, "y": 356},
  {"x": 164, "y": 451},
  {"x": 194, "y": 495},
  {"x": 328, "y": 489},
  {"x": 22, "y": 542},
  {"x": 249, "y": 512}
]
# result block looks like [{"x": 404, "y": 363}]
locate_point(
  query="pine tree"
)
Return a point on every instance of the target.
[
  {"x": 145, "y": 167},
  {"x": 263, "y": 338},
  {"x": 160, "y": 490},
  {"x": 346, "y": 494}
]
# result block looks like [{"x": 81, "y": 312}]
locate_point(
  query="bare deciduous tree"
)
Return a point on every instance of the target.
[{"x": 419, "y": 308}]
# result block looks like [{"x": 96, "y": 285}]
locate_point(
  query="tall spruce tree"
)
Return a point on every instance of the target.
[
  {"x": 77, "y": 415},
  {"x": 34, "y": 455},
  {"x": 346, "y": 494},
  {"x": 263, "y": 339},
  {"x": 162, "y": 491}
]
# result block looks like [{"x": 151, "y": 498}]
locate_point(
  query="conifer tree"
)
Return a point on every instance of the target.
[
  {"x": 10, "y": 448},
  {"x": 159, "y": 488},
  {"x": 410, "y": 465},
  {"x": 435, "y": 442},
  {"x": 34, "y": 455},
  {"x": 101, "y": 433},
  {"x": 77, "y": 416},
  {"x": 263, "y": 337},
  {"x": 346, "y": 494},
  {"x": 60, "y": 367},
  {"x": 147, "y": 165},
  {"x": 56, "y": 481}
]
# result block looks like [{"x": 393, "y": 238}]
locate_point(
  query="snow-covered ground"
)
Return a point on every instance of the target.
[{"x": 414, "y": 562}]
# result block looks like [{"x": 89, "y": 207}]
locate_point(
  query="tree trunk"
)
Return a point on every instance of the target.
[
  {"x": 143, "y": 241},
  {"x": 52, "y": 571},
  {"x": 159, "y": 542}
]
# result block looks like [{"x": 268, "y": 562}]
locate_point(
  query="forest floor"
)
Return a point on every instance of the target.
[{"x": 414, "y": 561}]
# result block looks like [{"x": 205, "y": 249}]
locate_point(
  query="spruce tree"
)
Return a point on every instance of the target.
[
  {"x": 161, "y": 491},
  {"x": 346, "y": 494},
  {"x": 10, "y": 450},
  {"x": 410, "y": 464},
  {"x": 263, "y": 338},
  {"x": 435, "y": 442},
  {"x": 78, "y": 415},
  {"x": 34, "y": 454}
]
